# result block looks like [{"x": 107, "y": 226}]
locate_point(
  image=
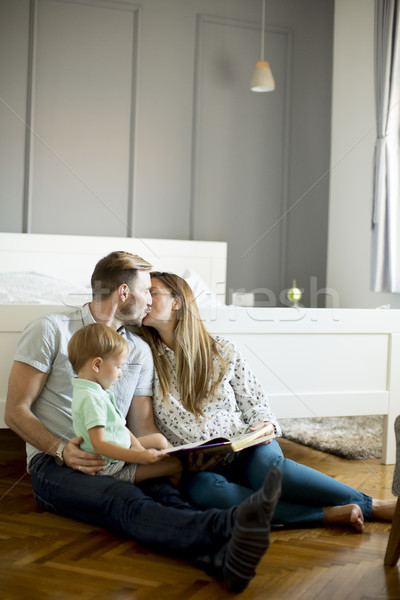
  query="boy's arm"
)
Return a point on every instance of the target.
[
  {"x": 154, "y": 440},
  {"x": 129, "y": 455},
  {"x": 24, "y": 387}
]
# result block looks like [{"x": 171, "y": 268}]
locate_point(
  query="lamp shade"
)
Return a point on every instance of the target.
[{"x": 263, "y": 80}]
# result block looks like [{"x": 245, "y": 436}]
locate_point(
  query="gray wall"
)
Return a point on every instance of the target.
[{"x": 141, "y": 122}]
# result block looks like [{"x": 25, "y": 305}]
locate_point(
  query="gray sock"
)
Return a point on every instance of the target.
[
  {"x": 250, "y": 535},
  {"x": 269, "y": 492}
]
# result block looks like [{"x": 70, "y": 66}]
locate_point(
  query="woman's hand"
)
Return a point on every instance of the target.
[
  {"x": 270, "y": 430},
  {"x": 197, "y": 461},
  {"x": 78, "y": 459}
]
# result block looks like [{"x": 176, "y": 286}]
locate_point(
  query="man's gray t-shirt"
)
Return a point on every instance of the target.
[{"x": 44, "y": 345}]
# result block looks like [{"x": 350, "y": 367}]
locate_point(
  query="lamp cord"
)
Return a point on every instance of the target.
[{"x": 262, "y": 29}]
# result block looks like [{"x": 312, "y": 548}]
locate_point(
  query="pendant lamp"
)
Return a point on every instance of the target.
[{"x": 263, "y": 80}]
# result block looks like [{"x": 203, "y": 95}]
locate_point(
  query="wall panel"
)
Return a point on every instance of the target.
[
  {"x": 82, "y": 108},
  {"x": 241, "y": 150},
  {"x": 14, "y": 33},
  {"x": 143, "y": 124}
]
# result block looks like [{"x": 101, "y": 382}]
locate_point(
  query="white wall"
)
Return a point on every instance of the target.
[{"x": 352, "y": 152}]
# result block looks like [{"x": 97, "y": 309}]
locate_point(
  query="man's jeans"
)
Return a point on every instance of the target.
[{"x": 165, "y": 523}]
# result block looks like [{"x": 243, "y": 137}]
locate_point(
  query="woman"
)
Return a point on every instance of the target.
[{"x": 203, "y": 388}]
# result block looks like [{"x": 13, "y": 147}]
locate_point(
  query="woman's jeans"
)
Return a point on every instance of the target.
[
  {"x": 304, "y": 490},
  {"x": 163, "y": 522}
]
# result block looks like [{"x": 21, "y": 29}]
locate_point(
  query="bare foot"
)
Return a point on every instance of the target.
[
  {"x": 383, "y": 510},
  {"x": 349, "y": 514}
]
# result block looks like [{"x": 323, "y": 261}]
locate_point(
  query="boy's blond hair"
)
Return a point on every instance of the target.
[{"x": 94, "y": 340}]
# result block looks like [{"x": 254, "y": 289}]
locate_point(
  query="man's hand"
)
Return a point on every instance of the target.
[{"x": 78, "y": 459}]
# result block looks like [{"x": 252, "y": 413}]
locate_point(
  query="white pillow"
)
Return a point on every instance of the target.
[
  {"x": 204, "y": 296},
  {"x": 34, "y": 288}
]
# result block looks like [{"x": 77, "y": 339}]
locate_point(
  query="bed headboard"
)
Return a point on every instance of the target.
[{"x": 73, "y": 257}]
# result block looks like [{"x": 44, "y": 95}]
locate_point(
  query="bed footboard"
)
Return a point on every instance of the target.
[
  {"x": 311, "y": 362},
  {"x": 321, "y": 362}
]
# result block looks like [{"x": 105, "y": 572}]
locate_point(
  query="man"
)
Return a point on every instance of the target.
[{"x": 226, "y": 543}]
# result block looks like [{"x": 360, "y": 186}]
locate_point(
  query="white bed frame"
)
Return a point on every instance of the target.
[{"x": 311, "y": 362}]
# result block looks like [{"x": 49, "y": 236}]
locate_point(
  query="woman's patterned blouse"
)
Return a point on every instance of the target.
[{"x": 237, "y": 403}]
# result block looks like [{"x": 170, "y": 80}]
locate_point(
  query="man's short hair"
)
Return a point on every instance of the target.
[
  {"x": 114, "y": 269},
  {"x": 92, "y": 341}
]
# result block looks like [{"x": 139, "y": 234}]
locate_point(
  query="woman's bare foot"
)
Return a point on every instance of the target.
[
  {"x": 383, "y": 510},
  {"x": 349, "y": 514}
]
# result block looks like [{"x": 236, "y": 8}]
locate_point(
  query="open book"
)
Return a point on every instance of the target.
[{"x": 223, "y": 445}]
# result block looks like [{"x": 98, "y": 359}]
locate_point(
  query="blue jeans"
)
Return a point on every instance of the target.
[
  {"x": 165, "y": 523},
  {"x": 304, "y": 490}
]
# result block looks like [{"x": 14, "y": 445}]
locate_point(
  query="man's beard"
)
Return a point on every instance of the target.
[{"x": 128, "y": 314}]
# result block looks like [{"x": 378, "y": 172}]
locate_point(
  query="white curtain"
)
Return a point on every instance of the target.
[{"x": 385, "y": 264}]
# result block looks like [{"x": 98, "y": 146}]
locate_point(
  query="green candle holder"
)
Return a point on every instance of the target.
[{"x": 294, "y": 294}]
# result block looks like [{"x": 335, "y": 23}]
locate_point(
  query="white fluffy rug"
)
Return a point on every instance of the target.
[{"x": 354, "y": 438}]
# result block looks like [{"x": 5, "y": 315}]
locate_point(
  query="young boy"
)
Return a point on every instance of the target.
[{"x": 97, "y": 354}]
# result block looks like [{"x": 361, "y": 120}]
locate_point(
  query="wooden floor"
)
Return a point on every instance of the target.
[{"x": 46, "y": 557}]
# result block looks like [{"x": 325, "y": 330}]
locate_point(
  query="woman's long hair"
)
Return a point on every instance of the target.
[{"x": 195, "y": 349}]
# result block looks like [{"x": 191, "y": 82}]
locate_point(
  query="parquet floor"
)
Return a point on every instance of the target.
[{"x": 46, "y": 557}]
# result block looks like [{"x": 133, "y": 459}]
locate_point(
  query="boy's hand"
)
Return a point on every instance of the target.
[{"x": 146, "y": 457}]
